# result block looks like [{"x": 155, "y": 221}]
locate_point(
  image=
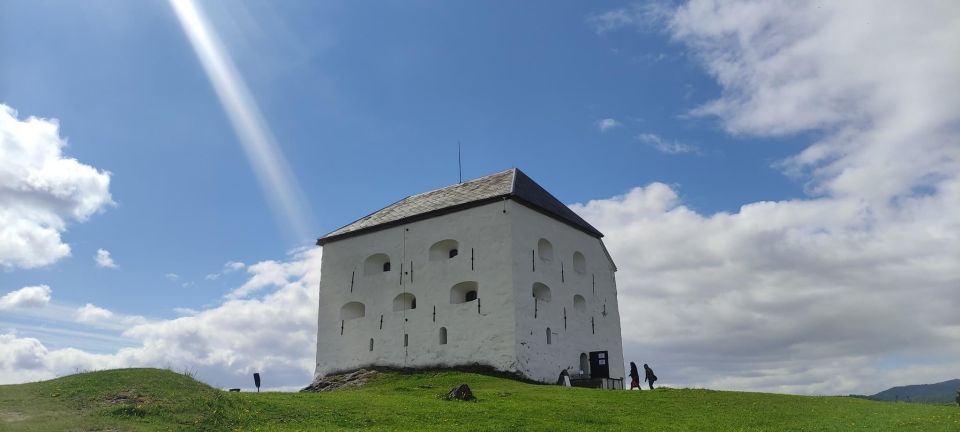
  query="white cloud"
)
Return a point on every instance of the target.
[
  {"x": 607, "y": 124},
  {"x": 171, "y": 276},
  {"x": 91, "y": 313},
  {"x": 99, "y": 317},
  {"x": 185, "y": 311},
  {"x": 804, "y": 296},
  {"x": 27, "y": 359},
  {"x": 266, "y": 274},
  {"x": 103, "y": 259},
  {"x": 41, "y": 190},
  {"x": 851, "y": 289},
  {"x": 640, "y": 15},
  {"x": 26, "y": 297},
  {"x": 667, "y": 146},
  {"x": 274, "y": 335},
  {"x": 229, "y": 267},
  {"x": 232, "y": 266},
  {"x": 876, "y": 81}
]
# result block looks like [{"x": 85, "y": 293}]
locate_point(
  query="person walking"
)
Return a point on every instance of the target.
[
  {"x": 634, "y": 377},
  {"x": 649, "y": 377}
]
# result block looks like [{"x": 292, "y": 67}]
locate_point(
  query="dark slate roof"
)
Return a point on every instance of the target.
[{"x": 509, "y": 184}]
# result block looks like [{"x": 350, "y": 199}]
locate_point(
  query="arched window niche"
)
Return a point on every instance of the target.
[
  {"x": 584, "y": 364},
  {"x": 579, "y": 303},
  {"x": 444, "y": 250},
  {"x": 541, "y": 292},
  {"x": 463, "y": 292},
  {"x": 376, "y": 264},
  {"x": 352, "y": 310},
  {"x": 549, "y": 336},
  {"x": 443, "y": 335},
  {"x": 404, "y": 302},
  {"x": 579, "y": 263},
  {"x": 545, "y": 250}
]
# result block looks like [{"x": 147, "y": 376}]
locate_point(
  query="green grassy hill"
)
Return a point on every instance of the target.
[{"x": 152, "y": 399}]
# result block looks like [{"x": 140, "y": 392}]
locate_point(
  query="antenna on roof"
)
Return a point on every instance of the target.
[{"x": 459, "y": 162}]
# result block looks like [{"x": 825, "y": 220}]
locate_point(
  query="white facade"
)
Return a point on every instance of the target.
[{"x": 507, "y": 253}]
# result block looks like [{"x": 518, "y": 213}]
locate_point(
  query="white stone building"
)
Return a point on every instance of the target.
[{"x": 493, "y": 271}]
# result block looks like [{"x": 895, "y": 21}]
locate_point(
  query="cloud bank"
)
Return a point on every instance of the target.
[
  {"x": 274, "y": 335},
  {"x": 852, "y": 289},
  {"x": 41, "y": 190}
]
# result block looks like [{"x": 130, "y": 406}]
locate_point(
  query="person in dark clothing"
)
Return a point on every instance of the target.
[
  {"x": 634, "y": 376},
  {"x": 649, "y": 376}
]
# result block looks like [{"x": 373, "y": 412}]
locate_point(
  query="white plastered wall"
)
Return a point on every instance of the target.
[
  {"x": 597, "y": 284},
  {"x": 504, "y": 333},
  {"x": 486, "y": 336}
]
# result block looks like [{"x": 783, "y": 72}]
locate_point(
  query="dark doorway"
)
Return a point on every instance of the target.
[{"x": 599, "y": 364}]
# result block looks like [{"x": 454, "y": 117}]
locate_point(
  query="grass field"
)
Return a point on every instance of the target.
[{"x": 153, "y": 399}]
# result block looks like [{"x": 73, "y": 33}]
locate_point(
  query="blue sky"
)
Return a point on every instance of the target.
[
  {"x": 368, "y": 102},
  {"x": 349, "y": 92}
]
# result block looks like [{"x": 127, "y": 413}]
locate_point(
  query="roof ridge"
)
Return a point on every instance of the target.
[{"x": 473, "y": 180}]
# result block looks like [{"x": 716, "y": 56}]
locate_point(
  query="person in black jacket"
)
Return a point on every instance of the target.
[
  {"x": 649, "y": 376},
  {"x": 634, "y": 376}
]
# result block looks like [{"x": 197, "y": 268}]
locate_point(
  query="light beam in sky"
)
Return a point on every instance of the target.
[{"x": 277, "y": 181}]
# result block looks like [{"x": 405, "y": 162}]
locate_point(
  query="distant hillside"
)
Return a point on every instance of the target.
[{"x": 943, "y": 392}]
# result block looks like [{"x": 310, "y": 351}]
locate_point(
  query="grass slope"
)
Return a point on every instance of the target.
[{"x": 151, "y": 399}]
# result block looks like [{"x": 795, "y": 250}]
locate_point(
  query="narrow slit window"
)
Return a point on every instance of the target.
[
  {"x": 371, "y": 344},
  {"x": 443, "y": 335},
  {"x": 406, "y": 340},
  {"x": 549, "y": 336}
]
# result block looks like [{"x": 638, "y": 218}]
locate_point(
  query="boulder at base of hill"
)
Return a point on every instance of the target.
[
  {"x": 356, "y": 378},
  {"x": 461, "y": 392}
]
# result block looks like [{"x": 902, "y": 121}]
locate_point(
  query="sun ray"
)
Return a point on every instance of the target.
[{"x": 262, "y": 151}]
